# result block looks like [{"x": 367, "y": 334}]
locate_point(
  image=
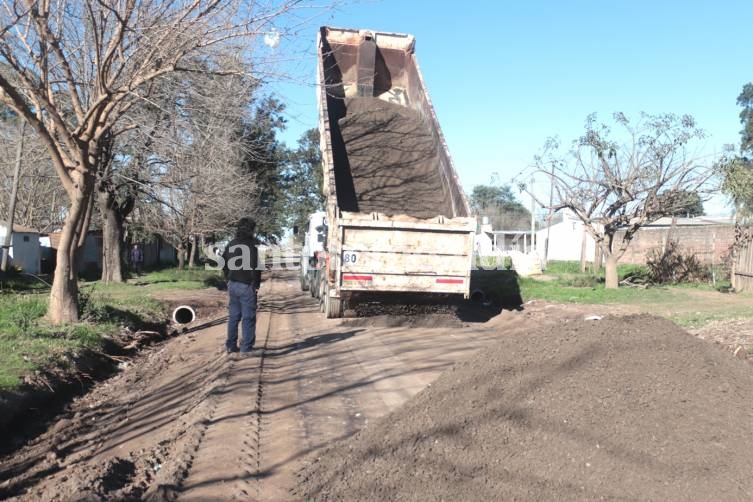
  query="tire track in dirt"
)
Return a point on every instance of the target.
[
  {"x": 253, "y": 449},
  {"x": 131, "y": 437},
  {"x": 293, "y": 419},
  {"x": 283, "y": 430},
  {"x": 169, "y": 488},
  {"x": 229, "y": 463}
]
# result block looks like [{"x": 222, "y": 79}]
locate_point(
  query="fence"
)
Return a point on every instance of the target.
[
  {"x": 742, "y": 269},
  {"x": 709, "y": 243}
]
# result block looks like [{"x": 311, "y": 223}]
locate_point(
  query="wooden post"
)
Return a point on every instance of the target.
[
  {"x": 533, "y": 219},
  {"x": 597, "y": 259},
  {"x": 13, "y": 196},
  {"x": 583, "y": 252},
  {"x": 713, "y": 258}
]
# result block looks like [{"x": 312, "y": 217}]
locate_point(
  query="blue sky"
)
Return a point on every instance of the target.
[{"x": 504, "y": 76}]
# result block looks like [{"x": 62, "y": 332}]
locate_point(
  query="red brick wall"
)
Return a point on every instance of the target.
[{"x": 709, "y": 243}]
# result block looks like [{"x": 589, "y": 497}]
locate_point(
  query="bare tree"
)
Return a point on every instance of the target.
[
  {"x": 116, "y": 196},
  {"x": 40, "y": 202},
  {"x": 74, "y": 68},
  {"x": 617, "y": 183},
  {"x": 199, "y": 186},
  {"x": 124, "y": 179}
]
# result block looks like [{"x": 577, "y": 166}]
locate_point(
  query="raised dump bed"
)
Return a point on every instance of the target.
[{"x": 398, "y": 219}]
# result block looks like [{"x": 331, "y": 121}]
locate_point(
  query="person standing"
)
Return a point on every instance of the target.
[
  {"x": 243, "y": 279},
  {"x": 137, "y": 258}
]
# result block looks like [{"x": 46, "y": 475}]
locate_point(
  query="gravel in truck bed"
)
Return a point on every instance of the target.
[{"x": 394, "y": 160}]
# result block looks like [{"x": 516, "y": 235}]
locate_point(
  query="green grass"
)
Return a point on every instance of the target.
[
  {"x": 573, "y": 290},
  {"x": 690, "y": 305},
  {"x": 28, "y": 342},
  {"x": 563, "y": 282},
  {"x": 172, "y": 275},
  {"x": 162, "y": 280},
  {"x": 23, "y": 283}
]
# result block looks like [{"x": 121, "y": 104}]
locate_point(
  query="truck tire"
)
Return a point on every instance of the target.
[
  {"x": 333, "y": 307},
  {"x": 314, "y": 285},
  {"x": 304, "y": 283},
  {"x": 323, "y": 292}
]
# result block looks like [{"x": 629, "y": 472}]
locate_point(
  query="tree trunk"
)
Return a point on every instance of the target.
[
  {"x": 597, "y": 260},
  {"x": 193, "y": 259},
  {"x": 181, "y": 256},
  {"x": 64, "y": 293},
  {"x": 583, "y": 253},
  {"x": 63, "y": 306},
  {"x": 610, "y": 272},
  {"x": 112, "y": 238}
]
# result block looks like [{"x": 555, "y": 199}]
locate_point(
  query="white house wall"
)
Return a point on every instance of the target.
[
  {"x": 565, "y": 241},
  {"x": 25, "y": 251}
]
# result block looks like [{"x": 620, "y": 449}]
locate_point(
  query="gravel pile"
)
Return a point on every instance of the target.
[{"x": 626, "y": 407}]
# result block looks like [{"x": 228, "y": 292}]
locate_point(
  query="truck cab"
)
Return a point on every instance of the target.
[{"x": 314, "y": 240}]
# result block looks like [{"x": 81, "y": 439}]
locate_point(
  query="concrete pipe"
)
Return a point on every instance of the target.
[{"x": 184, "y": 315}]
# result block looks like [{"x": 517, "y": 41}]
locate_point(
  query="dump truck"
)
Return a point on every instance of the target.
[{"x": 397, "y": 219}]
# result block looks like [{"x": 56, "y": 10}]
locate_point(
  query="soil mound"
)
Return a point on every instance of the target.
[
  {"x": 394, "y": 160},
  {"x": 626, "y": 407}
]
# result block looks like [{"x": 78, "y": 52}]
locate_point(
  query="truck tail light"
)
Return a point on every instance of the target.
[
  {"x": 355, "y": 277},
  {"x": 450, "y": 281}
]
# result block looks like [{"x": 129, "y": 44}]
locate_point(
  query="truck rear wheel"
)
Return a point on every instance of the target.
[
  {"x": 323, "y": 292},
  {"x": 314, "y": 285},
  {"x": 333, "y": 307}
]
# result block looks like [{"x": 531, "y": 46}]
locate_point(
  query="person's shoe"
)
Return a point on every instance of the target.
[
  {"x": 232, "y": 350},
  {"x": 250, "y": 353}
]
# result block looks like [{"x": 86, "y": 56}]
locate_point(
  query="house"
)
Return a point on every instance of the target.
[
  {"x": 91, "y": 258},
  {"x": 709, "y": 239},
  {"x": 563, "y": 241},
  {"x": 25, "y": 252},
  {"x": 157, "y": 252},
  {"x": 489, "y": 241}
]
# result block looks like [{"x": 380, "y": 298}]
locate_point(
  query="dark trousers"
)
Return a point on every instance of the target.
[{"x": 241, "y": 306}]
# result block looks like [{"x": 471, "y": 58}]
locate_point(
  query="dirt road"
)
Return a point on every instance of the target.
[{"x": 184, "y": 421}]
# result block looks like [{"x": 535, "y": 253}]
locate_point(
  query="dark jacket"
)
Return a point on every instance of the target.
[{"x": 247, "y": 275}]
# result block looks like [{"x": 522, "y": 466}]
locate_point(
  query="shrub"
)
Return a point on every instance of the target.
[{"x": 672, "y": 266}]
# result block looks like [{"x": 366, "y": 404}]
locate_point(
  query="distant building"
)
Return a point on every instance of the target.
[
  {"x": 157, "y": 252},
  {"x": 707, "y": 238},
  {"x": 25, "y": 251},
  {"x": 91, "y": 258},
  {"x": 489, "y": 241},
  {"x": 563, "y": 241}
]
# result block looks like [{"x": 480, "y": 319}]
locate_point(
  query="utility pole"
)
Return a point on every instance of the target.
[
  {"x": 533, "y": 218},
  {"x": 13, "y": 196},
  {"x": 549, "y": 217}
]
